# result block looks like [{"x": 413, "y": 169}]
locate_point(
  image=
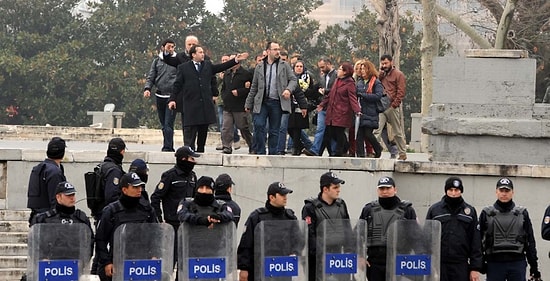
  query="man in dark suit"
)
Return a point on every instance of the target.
[{"x": 193, "y": 88}]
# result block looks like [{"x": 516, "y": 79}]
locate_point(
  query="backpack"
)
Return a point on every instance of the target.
[
  {"x": 37, "y": 183},
  {"x": 95, "y": 187}
]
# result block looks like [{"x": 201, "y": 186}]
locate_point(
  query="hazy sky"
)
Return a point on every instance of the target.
[{"x": 214, "y": 6}]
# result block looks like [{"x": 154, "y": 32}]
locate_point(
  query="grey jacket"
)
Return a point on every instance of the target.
[
  {"x": 286, "y": 80},
  {"x": 161, "y": 75}
]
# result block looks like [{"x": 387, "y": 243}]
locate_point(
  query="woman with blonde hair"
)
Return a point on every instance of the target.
[{"x": 369, "y": 91}]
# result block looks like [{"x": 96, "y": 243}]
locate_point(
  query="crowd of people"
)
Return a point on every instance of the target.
[
  {"x": 279, "y": 97},
  {"x": 499, "y": 242}
]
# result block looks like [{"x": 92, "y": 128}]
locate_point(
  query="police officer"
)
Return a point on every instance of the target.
[
  {"x": 64, "y": 211},
  {"x": 139, "y": 167},
  {"x": 203, "y": 208},
  {"x": 507, "y": 237},
  {"x": 274, "y": 210},
  {"x": 379, "y": 214},
  {"x": 112, "y": 171},
  {"x": 222, "y": 191},
  {"x": 129, "y": 208},
  {"x": 460, "y": 239},
  {"x": 45, "y": 177},
  {"x": 327, "y": 205},
  {"x": 175, "y": 185}
]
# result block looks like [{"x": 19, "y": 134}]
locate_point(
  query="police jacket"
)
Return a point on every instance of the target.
[
  {"x": 545, "y": 228},
  {"x": 231, "y": 205},
  {"x": 191, "y": 212},
  {"x": 112, "y": 172},
  {"x": 42, "y": 183},
  {"x": 317, "y": 210},
  {"x": 379, "y": 214},
  {"x": 174, "y": 186},
  {"x": 114, "y": 215},
  {"x": 64, "y": 215},
  {"x": 245, "y": 250},
  {"x": 460, "y": 238},
  {"x": 513, "y": 239}
]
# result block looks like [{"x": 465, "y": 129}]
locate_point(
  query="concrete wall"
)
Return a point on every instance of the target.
[
  {"x": 483, "y": 111},
  {"x": 418, "y": 182}
]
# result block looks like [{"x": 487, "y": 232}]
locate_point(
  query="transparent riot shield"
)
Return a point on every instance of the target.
[
  {"x": 413, "y": 250},
  {"x": 207, "y": 253},
  {"x": 59, "y": 251},
  {"x": 280, "y": 250},
  {"x": 143, "y": 251},
  {"x": 340, "y": 250}
]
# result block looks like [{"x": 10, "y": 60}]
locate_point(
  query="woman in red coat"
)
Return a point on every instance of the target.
[{"x": 342, "y": 106}]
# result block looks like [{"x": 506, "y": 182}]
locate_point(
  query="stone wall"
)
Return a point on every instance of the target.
[{"x": 483, "y": 111}]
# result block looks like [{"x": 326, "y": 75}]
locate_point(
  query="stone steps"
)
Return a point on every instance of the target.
[
  {"x": 14, "y": 228},
  {"x": 11, "y": 274}
]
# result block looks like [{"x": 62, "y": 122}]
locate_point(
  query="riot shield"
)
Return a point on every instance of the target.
[
  {"x": 59, "y": 251},
  {"x": 207, "y": 253},
  {"x": 143, "y": 251},
  {"x": 413, "y": 250},
  {"x": 280, "y": 250},
  {"x": 340, "y": 249}
]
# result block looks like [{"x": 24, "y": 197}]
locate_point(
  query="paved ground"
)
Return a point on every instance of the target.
[{"x": 100, "y": 146}]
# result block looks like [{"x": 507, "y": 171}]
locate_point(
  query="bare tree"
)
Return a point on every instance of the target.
[{"x": 387, "y": 25}]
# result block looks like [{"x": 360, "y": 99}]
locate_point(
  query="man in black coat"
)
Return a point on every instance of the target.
[
  {"x": 193, "y": 84},
  {"x": 235, "y": 88}
]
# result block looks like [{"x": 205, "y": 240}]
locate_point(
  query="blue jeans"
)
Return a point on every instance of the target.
[
  {"x": 166, "y": 118},
  {"x": 236, "y": 137},
  {"x": 270, "y": 112},
  {"x": 320, "y": 132},
  {"x": 282, "y": 133}
]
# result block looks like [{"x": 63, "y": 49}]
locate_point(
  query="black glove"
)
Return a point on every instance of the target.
[
  {"x": 216, "y": 217},
  {"x": 535, "y": 273},
  {"x": 483, "y": 269},
  {"x": 203, "y": 221}
]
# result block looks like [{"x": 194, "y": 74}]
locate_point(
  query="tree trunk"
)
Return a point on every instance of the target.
[
  {"x": 429, "y": 49},
  {"x": 463, "y": 26},
  {"x": 504, "y": 24},
  {"x": 387, "y": 24}
]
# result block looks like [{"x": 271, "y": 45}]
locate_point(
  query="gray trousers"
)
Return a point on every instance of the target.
[{"x": 239, "y": 119}]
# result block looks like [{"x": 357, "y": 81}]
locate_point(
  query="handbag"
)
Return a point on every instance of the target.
[{"x": 383, "y": 103}]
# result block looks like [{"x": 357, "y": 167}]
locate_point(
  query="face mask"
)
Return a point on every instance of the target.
[
  {"x": 204, "y": 199},
  {"x": 185, "y": 166}
]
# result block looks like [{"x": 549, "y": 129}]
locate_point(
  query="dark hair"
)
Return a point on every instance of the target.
[
  {"x": 193, "y": 49},
  {"x": 347, "y": 68},
  {"x": 325, "y": 59},
  {"x": 284, "y": 53},
  {"x": 166, "y": 41},
  {"x": 386, "y": 57},
  {"x": 268, "y": 46}
]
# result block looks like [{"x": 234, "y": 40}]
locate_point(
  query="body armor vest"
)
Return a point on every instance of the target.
[
  {"x": 505, "y": 233},
  {"x": 381, "y": 220}
]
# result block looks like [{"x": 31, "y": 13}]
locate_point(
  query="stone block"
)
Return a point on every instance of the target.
[
  {"x": 463, "y": 110},
  {"x": 10, "y": 154}
]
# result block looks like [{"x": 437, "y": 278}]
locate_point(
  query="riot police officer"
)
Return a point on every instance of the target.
[
  {"x": 129, "y": 208},
  {"x": 460, "y": 239},
  {"x": 379, "y": 214},
  {"x": 327, "y": 205},
  {"x": 222, "y": 191},
  {"x": 274, "y": 210},
  {"x": 204, "y": 209},
  {"x": 502, "y": 226}
]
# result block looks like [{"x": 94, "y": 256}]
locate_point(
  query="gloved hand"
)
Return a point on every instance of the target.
[
  {"x": 203, "y": 221},
  {"x": 535, "y": 273}
]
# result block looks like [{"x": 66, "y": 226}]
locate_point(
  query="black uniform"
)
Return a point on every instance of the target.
[
  {"x": 65, "y": 215},
  {"x": 42, "y": 183},
  {"x": 545, "y": 228},
  {"x": 245, "y": 251},
  {"x": 114, "y": 215},
  {"x": 502, "y": 226},
  {"x": 314, "y": 212},
  {"x": 231, "y": 205},
  {"x": 379, "y": 214},
  {"x": 112, "y": 171},
  {"x": 460, "y": 238},
  {"x": 174, "y": 186}
]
